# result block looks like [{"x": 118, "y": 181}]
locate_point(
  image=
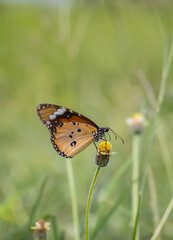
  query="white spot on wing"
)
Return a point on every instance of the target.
[
  {"x": 52, "y": 117},
  {"x": 60, "y": 111},
  {"x": 48, "y": 122}
]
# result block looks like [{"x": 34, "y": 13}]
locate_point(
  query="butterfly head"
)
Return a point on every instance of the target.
[{"x": 100, "y": 134}]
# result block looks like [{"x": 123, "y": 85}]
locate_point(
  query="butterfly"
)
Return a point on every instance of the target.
[{"x": 71, "y": 132}]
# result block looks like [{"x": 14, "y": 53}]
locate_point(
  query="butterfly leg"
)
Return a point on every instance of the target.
[
  {"x": 104, "y": 139},
  {"x": 95, "y": 146}
]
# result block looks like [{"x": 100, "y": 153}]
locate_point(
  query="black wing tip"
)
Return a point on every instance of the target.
[
  {"x": 47, "y": 105},
  {"x": 42, "y": 106},
  {"x": 39, "y": 107}
]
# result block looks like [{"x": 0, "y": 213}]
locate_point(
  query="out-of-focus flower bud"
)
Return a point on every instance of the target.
[
  {"x": 137, "y": 123},
  {"x": 41, "y": 227}
]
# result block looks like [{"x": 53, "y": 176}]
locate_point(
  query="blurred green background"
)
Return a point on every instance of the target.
[{"x": 95, "y": 57}]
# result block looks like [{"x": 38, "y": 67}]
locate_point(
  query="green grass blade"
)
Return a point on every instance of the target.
[
  {"x": 166, "y": 68},
  {"x": 163, "y": 220},
  {"x": 54, "y": 228},
  {"x": 102, "y": 222},
  {"x": 37, "y": 202},
  {"x": 112, "y": 185}
]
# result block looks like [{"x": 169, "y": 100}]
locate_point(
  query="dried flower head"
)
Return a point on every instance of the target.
[
  {"x": 41, "y": 228},
  {"x": 137, "y": 123},
  {"x": 103, "y": 154}
]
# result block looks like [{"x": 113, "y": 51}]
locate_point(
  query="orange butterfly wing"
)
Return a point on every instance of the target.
[
  {"x": 71, "y": 132},
  {"x": 72, "y": 139}
]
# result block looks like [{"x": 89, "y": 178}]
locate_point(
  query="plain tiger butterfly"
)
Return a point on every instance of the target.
[{"x": 71, "y": 132}]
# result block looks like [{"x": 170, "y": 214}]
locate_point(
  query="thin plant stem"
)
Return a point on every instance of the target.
[
  {"x": 168, "y": 58},
  {"x": 166, "y": 69},
  {"x": 166, "y": 154},
  {"x": 136, "y": 230},
  {"x": 153, "y": 197},
  {"x": 89, "y": 201},
  {"x": 135, "y": 179},
  {"x": 73, "y": 198},
  {"x": 165, "y": 72},
  {"x": 163, "y": 220}
]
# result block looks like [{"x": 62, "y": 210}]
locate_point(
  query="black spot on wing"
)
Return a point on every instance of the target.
[
  {"x": 73, "y": 143},
  {"x": 60, "y": 124}
]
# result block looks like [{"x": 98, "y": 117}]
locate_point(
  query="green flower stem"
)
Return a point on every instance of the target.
[
  {"x": 73, "y": 198},
  {"x": 136, "y": 231},
  {"x": 89, "y": 201},
  {"x": 135, "y": 179}
]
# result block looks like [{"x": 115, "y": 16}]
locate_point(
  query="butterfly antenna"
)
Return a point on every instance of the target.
[
  {"x": 116, "y": 135},
  {"x": 109, "y": 136}
]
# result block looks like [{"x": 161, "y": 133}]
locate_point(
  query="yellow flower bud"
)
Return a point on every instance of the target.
[{"x": 103, "y": 154}]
